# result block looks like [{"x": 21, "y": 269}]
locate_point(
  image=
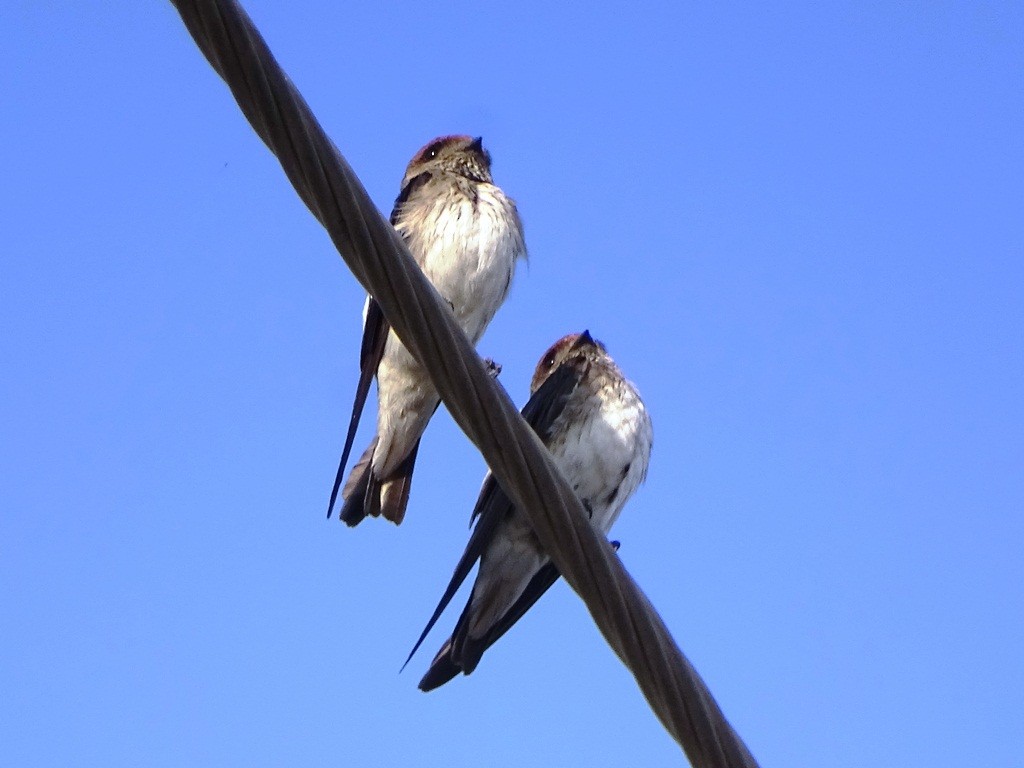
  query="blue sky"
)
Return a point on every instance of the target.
[{"x": 799, "y": 230}]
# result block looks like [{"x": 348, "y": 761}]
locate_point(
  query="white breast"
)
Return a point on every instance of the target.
[
  {"x": 467, "y": 247},
  {"x": 606, "y": 458}
]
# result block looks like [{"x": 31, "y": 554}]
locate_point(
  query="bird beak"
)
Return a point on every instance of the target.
[{"x": 585, "y": 339}]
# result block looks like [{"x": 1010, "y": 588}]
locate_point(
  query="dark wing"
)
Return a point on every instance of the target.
[
  {"x": 375, "y": 335},
  {"x": 493, "y": 505},
  {"x": 539, "y": 584},
  {"x": 547, "y": 403},
  {"x": 410, "y": 186},
  {"x": 444, "y": 667}
]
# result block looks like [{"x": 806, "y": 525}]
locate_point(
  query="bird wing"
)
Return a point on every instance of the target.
[
  {"x": 375, "y": 336},
  {"x": 493, "y": 505}
]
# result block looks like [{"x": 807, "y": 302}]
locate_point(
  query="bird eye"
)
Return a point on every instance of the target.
[
  {"x": 549, "y": 361},
  {"x": 433, "y": 150}
]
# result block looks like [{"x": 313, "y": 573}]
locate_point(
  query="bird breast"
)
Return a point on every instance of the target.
[
  {"x": 466, "y": 240},
  {"x": 605, "y": 451}
]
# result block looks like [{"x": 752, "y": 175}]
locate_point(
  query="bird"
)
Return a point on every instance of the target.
[
  {"x": 594, "y": 423},
  {"x": 466, "y": 235}
]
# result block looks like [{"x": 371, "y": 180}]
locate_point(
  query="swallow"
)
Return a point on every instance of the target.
[
  {"x": 593, "y": 421},
  {"x": 465, "y": 234}
]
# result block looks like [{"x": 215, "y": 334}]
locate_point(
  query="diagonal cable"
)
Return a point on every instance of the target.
[{"x": 379, "y": 260}]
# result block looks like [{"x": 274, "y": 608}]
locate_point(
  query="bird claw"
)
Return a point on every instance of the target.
[{"x": 493, "y": 368}]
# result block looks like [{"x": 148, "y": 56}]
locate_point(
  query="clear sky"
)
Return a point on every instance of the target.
[{"x": 799, "y": 230}]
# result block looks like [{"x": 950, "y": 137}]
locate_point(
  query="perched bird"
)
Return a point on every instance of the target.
[
  {"x": 465, "y": 234},
  {"x": 595, "y": 425}
]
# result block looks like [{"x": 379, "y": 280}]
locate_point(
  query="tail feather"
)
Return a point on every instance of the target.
[
  {"x": 357, "y": 487},
  {"x": 394, "y": 492},
  {"x": 371, "y": 500},
  {"x": 366, "y": 495},
  {"x": 466, "y": 649},
  {"x": 442, "y": 669},
  {"x": 462, "y": 653}
]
